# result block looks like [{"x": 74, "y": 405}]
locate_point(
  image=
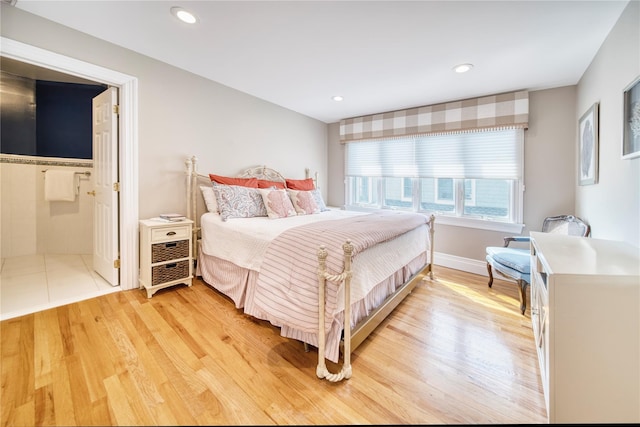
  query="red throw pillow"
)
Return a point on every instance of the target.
[
  {"x": 263, "y": 183},
  {"x": 227, "y": 180},
  {"x": 300, "y": 184}
]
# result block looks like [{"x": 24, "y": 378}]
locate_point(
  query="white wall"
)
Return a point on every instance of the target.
[
  {"x": 612, "y": 206},
  {"x": 181, "y": 114}
]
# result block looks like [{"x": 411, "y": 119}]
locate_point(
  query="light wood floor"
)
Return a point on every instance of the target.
[{"x": 454, "y": 352}]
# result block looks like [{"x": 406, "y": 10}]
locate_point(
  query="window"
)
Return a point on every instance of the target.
[
  {"x": 407, "y": 189},
  {"x": 474, "y": 176},
  {"x": 469, "y": 192},
  {"x": 362, "y": 191},
  {"x": 444, "y": 190}
]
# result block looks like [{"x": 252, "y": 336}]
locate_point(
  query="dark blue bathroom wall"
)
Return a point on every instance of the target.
[
  {"x": 63, "y": 119},
  {"x": 17, "y": 115}
]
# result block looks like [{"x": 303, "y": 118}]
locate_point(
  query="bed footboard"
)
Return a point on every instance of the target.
[
  {"x": 323, "y": 276},
  {"x": 353, "y": 339}
]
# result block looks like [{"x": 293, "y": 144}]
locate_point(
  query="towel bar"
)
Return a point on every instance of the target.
[{"x": 87, "y": 173}]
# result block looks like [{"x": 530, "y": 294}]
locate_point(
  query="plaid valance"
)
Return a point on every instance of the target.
[{"x": 504, "y": 110}]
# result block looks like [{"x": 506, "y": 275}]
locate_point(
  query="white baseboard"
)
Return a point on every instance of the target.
[{"x": 459, "y": 263}]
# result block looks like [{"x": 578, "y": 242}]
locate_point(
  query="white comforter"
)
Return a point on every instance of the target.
[{"x": 244, "y": 242}]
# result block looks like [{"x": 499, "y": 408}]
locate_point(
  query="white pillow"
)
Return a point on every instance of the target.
[{"x": 209, "y": 198}]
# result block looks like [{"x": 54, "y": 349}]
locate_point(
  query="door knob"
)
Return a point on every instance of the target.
[{"x": 91, "y": 193}]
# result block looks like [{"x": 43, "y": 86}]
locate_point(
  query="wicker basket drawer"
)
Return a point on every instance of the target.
[
  {"x": 169, "y": 250},
  {"x": 168, "y": 272}
]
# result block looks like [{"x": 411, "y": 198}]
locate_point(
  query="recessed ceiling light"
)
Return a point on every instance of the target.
[
  {"x": 184, "y": 15},
  {"x": 337, "y": 98},
  {"x": 462, "y": 68}
]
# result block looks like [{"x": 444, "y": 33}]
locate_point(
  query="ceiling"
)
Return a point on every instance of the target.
[{"x": 379, "y": 55}]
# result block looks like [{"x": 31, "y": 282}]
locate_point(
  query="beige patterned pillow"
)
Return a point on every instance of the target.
[
  {"x": 277, "y": 203},
  {"x": 304, "y": 202}
]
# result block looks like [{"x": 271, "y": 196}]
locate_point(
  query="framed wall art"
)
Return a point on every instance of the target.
[
  {"x": 588, "y": 147},
  {"x": 631, "y": 130}
]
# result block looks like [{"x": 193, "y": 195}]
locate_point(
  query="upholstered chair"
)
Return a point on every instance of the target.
[{"x": 514, "y": 263}]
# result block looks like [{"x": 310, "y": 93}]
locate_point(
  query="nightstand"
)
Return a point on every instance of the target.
[{"x": 165, "y": 254}]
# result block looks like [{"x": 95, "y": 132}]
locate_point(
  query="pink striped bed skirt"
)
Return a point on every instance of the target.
[{"x": 239, "y": 285}]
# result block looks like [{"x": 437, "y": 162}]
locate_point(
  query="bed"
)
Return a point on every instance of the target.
[{"x": 309, "y": 267}]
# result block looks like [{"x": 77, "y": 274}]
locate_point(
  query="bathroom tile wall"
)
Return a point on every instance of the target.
[{"x": 30, "y": 224}]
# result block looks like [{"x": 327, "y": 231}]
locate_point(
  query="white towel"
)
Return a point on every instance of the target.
[{"x": 59, "y": 185}]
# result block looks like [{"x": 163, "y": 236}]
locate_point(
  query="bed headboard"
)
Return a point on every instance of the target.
[
  {"x": 195, "y": 180},
  {"x": 262, "y": 172}
]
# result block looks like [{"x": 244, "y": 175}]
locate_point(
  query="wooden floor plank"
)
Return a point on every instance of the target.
[
  {"x": 62, "y": 396},
  {"x": 120, "y": 403},
  {"x": 79, "y": 389},
  {"x": 453, "y": 352}
]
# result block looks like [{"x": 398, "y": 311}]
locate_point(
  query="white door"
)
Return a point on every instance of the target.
[{"x": 105, "y": 169}]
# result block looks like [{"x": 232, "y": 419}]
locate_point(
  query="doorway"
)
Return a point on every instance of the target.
[{"x": 128, "y": 143}]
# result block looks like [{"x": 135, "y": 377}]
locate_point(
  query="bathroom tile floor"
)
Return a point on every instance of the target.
[{"x": 33, "y": 283}]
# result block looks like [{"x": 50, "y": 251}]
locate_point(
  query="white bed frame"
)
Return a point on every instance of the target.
[{"x": 352, "y": 338}]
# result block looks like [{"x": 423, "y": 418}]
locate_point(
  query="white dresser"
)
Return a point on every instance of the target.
[{"x": 585, "y": 310}]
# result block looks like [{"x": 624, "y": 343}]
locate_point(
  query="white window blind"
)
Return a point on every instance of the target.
[{"x": 495, "y": 154}]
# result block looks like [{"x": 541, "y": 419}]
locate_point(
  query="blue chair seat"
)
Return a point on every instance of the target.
[
  {"x": 513, "y": 263},
  {"x": 514, "y": 258}
]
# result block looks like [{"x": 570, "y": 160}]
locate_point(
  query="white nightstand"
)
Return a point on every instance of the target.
[{"x": 165, "y": 254}]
